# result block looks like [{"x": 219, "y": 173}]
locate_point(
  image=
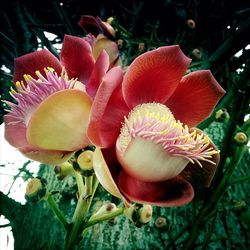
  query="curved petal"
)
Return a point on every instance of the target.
[
  {"x": 108, "y": 110},
  {"x": 103, "y": 173},
  {"x": 49, "y": 157},
  {"x": 147, "y": 161},
  {"x": 195, "y": 97},
  {"x": 201, "y": 177},
  {"x": 38, "y": 60},
  {"x": 90, "y": 24},
  {"x": 100, "y": 68},
  {"x": 174, "y": 192},
  {"x": 109, "y": 46},
  {"x": 15, "y": 134},
  {"x": 60, "y": 121},
  {"x": 154, "y": 76},
  {"x": 76, "y": 57}
]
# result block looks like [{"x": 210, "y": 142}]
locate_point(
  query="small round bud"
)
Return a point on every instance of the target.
[
  {"x": 197, "y": 54},
  {"x": 141, "y": 47},
  {"x": 63, "y": 170},
  {"x": 145, "y": 213},
  {"x": 191, "y": 24},
  {"x": 36, "y": 189},
  {"x": 85, "y": 160},
  {"x": 139, "y": 214},
  {"x": 222, "y": 115},
  {"x": 119, "y": 43},
  {"x": 110, "y": 20},
  {"x": 104, "y": 209},
  {"x": 160, "y": 222},
  {"x": 241, "y": 139}
]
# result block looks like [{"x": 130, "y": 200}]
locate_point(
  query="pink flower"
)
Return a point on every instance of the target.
[
  {"x": 49, "y": 119},
  {"x": 144, "y": 123}
]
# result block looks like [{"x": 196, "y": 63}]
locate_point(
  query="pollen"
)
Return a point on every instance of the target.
[{"x": 155, "y": 122}]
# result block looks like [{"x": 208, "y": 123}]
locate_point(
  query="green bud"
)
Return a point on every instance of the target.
[
  {"x": 83, "y": 162},
  {"x": 105, "y": 209},
  {"x": 222, "y": 115},
  {"x": 161, "y": 222},
  {"x": 241, "y": 139},
  {"x": 139, "y": 214},
  {"x": 63, "y": 170},
  {"x": 36, "y": 190}
]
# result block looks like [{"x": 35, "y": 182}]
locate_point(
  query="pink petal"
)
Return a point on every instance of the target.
[
  {"x": 77, "y": 58},
  {"x": 201, "y": 177},
  {"x": 100, "y": 68},
  {"x": 108, "y": 110},
  {"x": 174, "y": 192},
  {"x": 15, "y": 134},
  {"x": 195, "y": 97},
  {"x": 49, "y": 157},
  {"x": 29, "y": 63},
  {"x": 154, "y": 76}
]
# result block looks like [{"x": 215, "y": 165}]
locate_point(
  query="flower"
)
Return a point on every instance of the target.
[
  {"x": 144, "y": 123},
  {"x": 49, "y": 118},
  {"x": 101, "y": 35}
]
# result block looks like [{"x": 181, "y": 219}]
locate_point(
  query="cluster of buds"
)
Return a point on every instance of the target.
[
  {"x": 36, "y": 189},
  {"x": 139, "y": 214}
]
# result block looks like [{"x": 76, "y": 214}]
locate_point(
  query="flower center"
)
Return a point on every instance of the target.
[
  {"x": 155, "y": 122},
  {"x": 151, "y": 140},
  {"x": 29, "y": 94}
]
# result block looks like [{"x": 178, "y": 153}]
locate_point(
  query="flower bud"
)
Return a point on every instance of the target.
[
  {"x": 110, "y": 20},
  {"x": 191, "y": 24},
  {"x": 160, "y": 222},
  {"x": 197, "y": 54},
  {"x": 119, "y": 43},
  {"x": 139, "y": 214},
  {"x": 145, "y": 213},
  {"x": 222, "y": 115},
  {"x": 63, "y": 170},
  {"x": 83, "y": 162},
  {"x": 241, "y": 139},
  {"x": 141, "y": 47},
  {"x": 104, "y": 209},
  {"x": 36, "y": 190}
]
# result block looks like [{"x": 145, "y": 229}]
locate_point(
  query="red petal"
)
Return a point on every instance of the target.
[
  {"x": 90, "y": 24},
  {"x": 195, "y": 97},
  {"x": 77, "y": 58},
  {"x": 31, "y": 62},
  {"x": 100, "y": 69},
  {"x": 201, "y": 177},
  {"x": 174, "y": 192},
  {"x": 108, "y": 110},
  {"x": 153, "y": 76}
]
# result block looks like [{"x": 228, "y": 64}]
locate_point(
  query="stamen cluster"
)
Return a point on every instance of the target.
[
  {"x": 29, "y": 94},
  {"x": 155, "y": 122}
]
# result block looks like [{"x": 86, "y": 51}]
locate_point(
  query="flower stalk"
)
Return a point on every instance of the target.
[
  {"x": 54, "y": 207},
  {"x": 73, "y": 236}
]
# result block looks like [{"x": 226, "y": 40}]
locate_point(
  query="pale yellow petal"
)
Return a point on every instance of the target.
[{"x": 60, "y": 121}]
